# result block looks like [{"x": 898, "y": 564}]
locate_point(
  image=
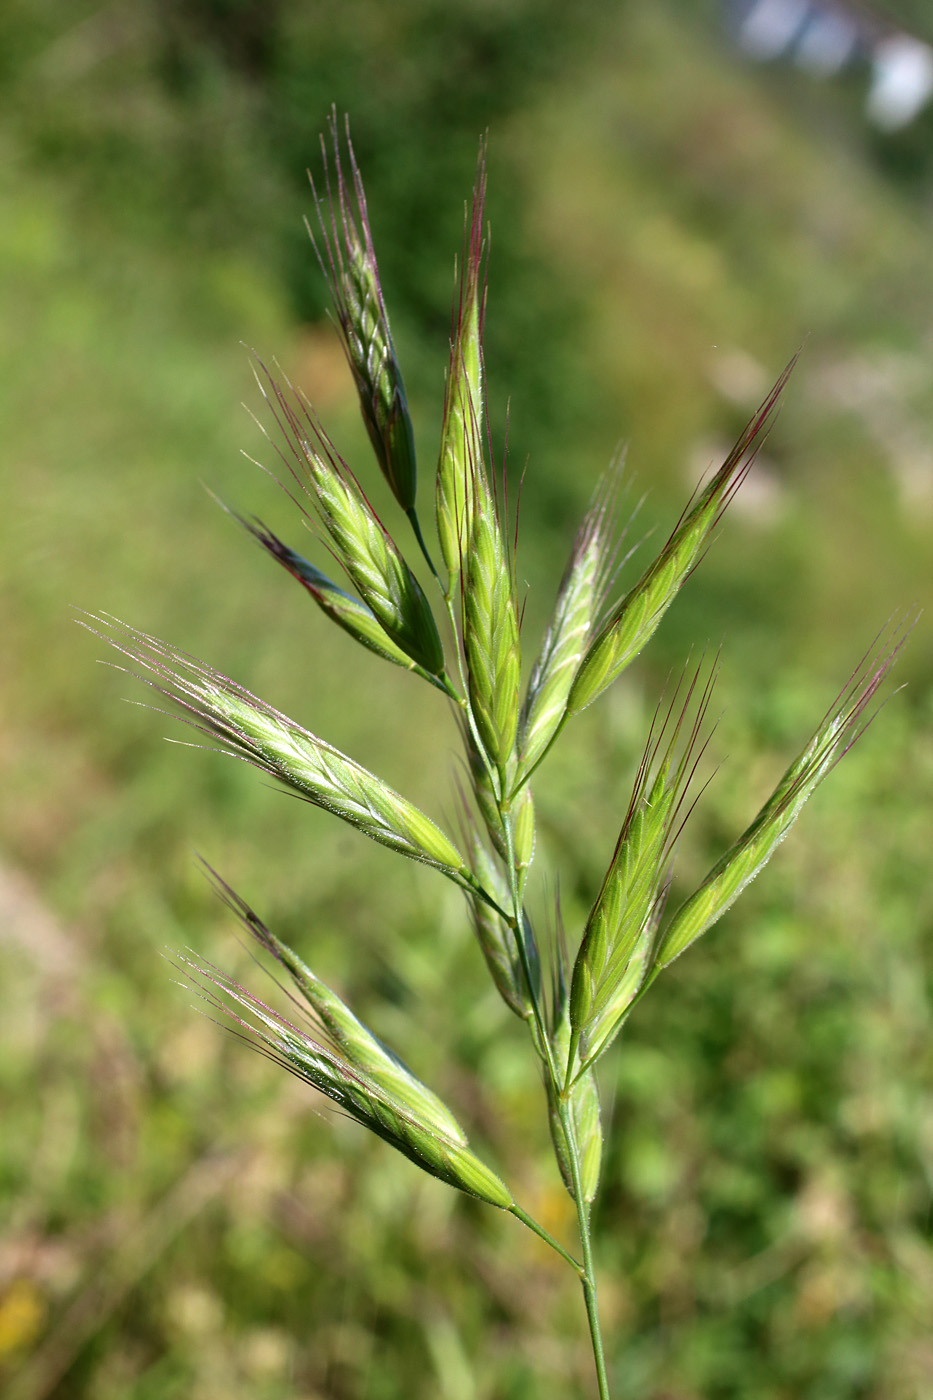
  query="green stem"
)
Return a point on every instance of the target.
[
  {"x": 545, "y": 1235},
  {"x": 416, "y": 526},
  {"x": 588, "y": 1277},
  {"x": 450, "y": 690}
]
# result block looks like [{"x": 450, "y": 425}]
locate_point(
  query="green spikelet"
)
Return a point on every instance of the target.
[
  {"x": 633, "y": 622},
  {"x": 248, "y": 728},
  {"x": 356, "y": 1042},
  {"x": 579, "y": 600},
  {"x": 490, "y": 633},
  {"x": 463, "y": 423},
  {"x": 486, "y": 798},
  {"x": 583, "y": 1099},
  {"x": 523, "y": 828},
  {"x": 371, "y": 558},
  {"x": 617, "y": 950},
  {"x": 841, "y": 727},
  {"x": 341, "y": 607},
  {"x": 351, "y": 269},
  {"x": 496, "y": 939},
  {"x": 616, "y": 945},
  {"x": 355, "y": 1090}
]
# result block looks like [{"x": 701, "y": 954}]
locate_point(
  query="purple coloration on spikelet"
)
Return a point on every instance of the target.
[
  {"x": 349, "y": 263},
  {"x": 359, "y": 540}
]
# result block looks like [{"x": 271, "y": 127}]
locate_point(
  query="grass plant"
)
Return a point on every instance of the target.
[{"x": 573, "y": 989}]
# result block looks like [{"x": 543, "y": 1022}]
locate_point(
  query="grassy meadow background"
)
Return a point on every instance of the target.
[{"x": 177, "y": 1218}]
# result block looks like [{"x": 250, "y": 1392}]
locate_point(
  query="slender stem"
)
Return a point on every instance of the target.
[
  {"x": 445, "y": 684},
  {"x": 469, "y": 882},
  {"x": 416, "y": 527},
  {"x": 545, "y": 1235},
  {"x": 589, "y": 1274},
  {"x": 586, "y": 1272}
]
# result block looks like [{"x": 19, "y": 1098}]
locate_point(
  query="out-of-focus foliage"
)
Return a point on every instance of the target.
[{"x": 667, "y": 227}]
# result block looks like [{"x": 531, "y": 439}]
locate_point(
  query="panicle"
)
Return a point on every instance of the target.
[
  {"x": 843, "y": 724},
  {"x": 350, "y": 266},
  {"x": 358, "y": 1092},
  {"x": 252, "y": 730},
  {"x": 341, "y": 607},
  {"x": 463, "y": 423},
  {"x": 359, "y": 540},
  {"x": 633, "y": 622},
  {"x": 619, "y": 943},
  {"x": 579, "y": 602}
]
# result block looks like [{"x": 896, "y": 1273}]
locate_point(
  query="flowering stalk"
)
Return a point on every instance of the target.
[{"x": 574, "y": 1017}]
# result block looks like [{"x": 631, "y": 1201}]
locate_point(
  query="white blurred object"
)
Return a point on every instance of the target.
[
  {"x": 902, "y": 81},
  {"x": 824, "y": 36},
  {"x": 828, "y": 41},
  {"x": 738, "y": 377},
  {"x": 771, "y": 26}
]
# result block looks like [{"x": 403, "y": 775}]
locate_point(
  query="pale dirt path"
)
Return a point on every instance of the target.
[{"x": 27, "y": 921}]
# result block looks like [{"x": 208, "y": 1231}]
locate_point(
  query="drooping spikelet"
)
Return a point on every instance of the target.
[
  {"x": 341, "y": 607},
  {"x": 350, "y": 267},
  {"x": 416, "y": 1133},
  {"x": 359, "y": 540},
  {"x": 363, "y": 1050},
  {"x": 633, "y": 622},
  {"x": 252, "y": 730}
]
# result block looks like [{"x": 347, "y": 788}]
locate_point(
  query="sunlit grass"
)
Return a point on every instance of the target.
[{"x": 776, "y": 1171}]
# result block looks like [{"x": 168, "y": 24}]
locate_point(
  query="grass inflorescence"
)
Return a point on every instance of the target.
[{"x": 573, "y": 993}]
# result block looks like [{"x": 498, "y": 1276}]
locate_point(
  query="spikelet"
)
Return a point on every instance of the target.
[
  {"x": 416, "y": 1134},
  {"x": 463, "y": 422},
  {"x": 252, "y": 730},
  {"x": 633, "y": 622},
  {"x": 617, "y": 950},
  {"x": 363, "y": 1050},
  {"x": 842, "y": 725},
  {"x": 365, "y": 550},
  {"x": 523, "y": 833},
  {"x": 350, "y": 267},
  {"x": 495, "y": 937},
  {"x": 341, "y": 607},
  {"x": 579, "y": 601},
  {"x": 490, "y": 631},
  {"x": 583, "y": 1099}
]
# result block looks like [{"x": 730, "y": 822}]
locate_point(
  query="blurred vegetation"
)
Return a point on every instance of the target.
[{"x": 667, "y": 228}]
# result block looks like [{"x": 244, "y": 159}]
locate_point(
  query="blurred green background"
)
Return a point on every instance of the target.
[{"x": 668, "y": 225}]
